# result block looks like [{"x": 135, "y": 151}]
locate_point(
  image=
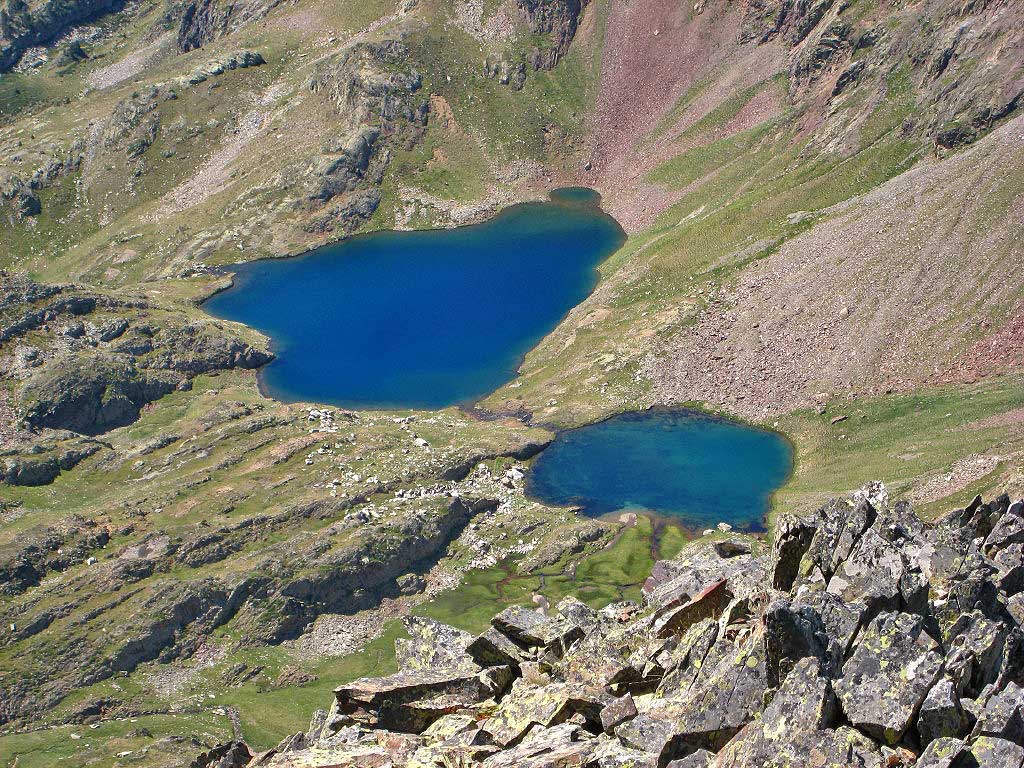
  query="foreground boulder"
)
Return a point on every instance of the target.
[{"x": 863, "y": 637}]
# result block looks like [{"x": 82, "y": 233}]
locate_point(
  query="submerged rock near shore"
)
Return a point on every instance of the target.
[{"x": 862, "y": 636}]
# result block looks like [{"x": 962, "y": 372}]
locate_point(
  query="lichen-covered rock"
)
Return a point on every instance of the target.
[
  {"x": 760, "y": 679},
  {"x": 708, "y": 713},
  {"x": 528, "y": 705},
  {"x": 791, "y": 538},
  {"x": 617, "y": 712},
  {"x": 792, "y": 725},
  {"x": 1003, "y": 715},
  {"x": 433, "y": 645},
  {"x": 793, "y": 633},
  {"x": 673, "y": 583},
  {"x": 940, "y": 753},
  {"x": 974, "y": 650},
  {"x": 991, "y": 752},
  {"x": 533, "y": 629},
  {"x": 941, "y": 714},
  {"x": 410, "y": 701},
  {"x": 1009, "y": 529},
  {"x": 708, "y": 603},
  {"x": 562, "y": 745},
  {"x": 885, "y": 681},
  {"x": 686, "y": 660},
  {"x": 843, "y": 521},
  {"x": 494, "y": 647}
]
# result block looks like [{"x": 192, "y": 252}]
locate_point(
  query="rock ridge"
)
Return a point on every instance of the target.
[{"x": 862, "y": 636}]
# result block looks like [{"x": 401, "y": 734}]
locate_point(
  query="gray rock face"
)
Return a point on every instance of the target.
[
  {"x": 558, "y": 20},
  {"x": 882, "y": 647},
  {"x": 990, "y": 752},
  {"x": 1003, "y": 715},
  {"x": 791, "y": 727},
  {"x": 887, "y": 678}
]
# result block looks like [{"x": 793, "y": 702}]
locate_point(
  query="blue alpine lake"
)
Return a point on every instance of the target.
[
  {"x": 697, "y": 469},
  {"x": 422, "y": 319}
]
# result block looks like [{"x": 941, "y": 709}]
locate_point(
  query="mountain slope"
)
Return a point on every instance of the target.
[{"x": 822, "y": 199}]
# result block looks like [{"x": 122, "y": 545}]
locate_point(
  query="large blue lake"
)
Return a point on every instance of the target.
[
  {"x": 698, "y": 469},
  {"x": 422, "y": 319}
]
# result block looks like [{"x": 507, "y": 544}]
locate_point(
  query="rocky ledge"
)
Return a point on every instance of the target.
[{"x": 861, "y": 637}]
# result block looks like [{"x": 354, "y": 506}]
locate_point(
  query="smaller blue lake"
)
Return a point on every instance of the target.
[
  {"x": 422, "y": 319},
  {"x": 697, "y": 469}
]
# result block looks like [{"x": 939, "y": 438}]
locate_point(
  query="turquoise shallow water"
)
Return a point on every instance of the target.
[
  {"x": 422, "y": 319},
  {"x": 685, "y": 465}
]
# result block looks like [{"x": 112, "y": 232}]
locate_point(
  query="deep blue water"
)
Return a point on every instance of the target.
[
  {"x": 422, "y": 319},
  {"x": 698, "y": 469}
]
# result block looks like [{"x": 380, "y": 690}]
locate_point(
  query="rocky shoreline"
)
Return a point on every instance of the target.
[{"x": 862, "y": 636}]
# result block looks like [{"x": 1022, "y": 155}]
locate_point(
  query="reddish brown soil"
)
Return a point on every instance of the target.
[{"x": 643, "y": 76}]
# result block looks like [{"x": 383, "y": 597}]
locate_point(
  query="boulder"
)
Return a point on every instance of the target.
[
  {"x": 408, "y": 702},
  {"x": 791, "y": 634},
  {"x": 888, "y": 676},
  {"x": 940, "y": 753},
  {"x": 708, "y": 713},
  {"x": 563, "y": 745},
  {"x": 791, "y": 538},
  {"x": 533, "y": 629},
  {"x": 699, "y": 759},
  {"x": 708, "y": 603},
  {"x": 791, "y": 727},
  {"x": 941, "y": 714},
  {"x": 991, "y": 752},
  {"x": 686, "y": 660},
  {"x": 973, "y": 652},
  {"x": 1003, "y": 715},
  {"x": 871, "y": 574},
  {"x": 843, "y": 522},
  {"x": 1009, "y": 529},
  {"x": 599, "y": 661},
  {"x": 673, "y": 583},
  {"x": 494, "y": 647},
  {"x": 616, "y": 712},
  {"x": 433, "y": 645},
  {"x": 527, "y": 705}
]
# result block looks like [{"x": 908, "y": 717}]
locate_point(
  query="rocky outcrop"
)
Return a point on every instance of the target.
[
  {"x": 23, "y": 24},
  {"x": 378, "y": 100},
  {"x": 218, "y": 66},
  {"x": 197, "y": 22},
  {"x": 23, "y": 194},
  {"x": 40, "y": 464},
  {"x": 555, "y": 19},
  {"x": 164, "y": 618},
  {"x": 832, "y": 47},
  {"x": 863, "y": 637},
  {"x": 791, "y": 20},
  {"x": 92, "y": 369},
  {"x": 42, "y": 550}
]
